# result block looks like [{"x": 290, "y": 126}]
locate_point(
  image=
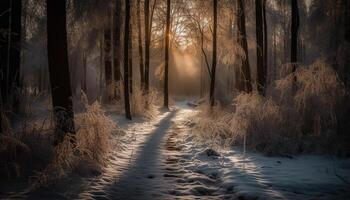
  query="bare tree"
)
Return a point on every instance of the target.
[
  {"x": 10, "y": 51},
  {"x": 147, "y": 44},
  {"x": 166, "y": 65},
  {"x": 142, "y": 73},
  {"x": 294, "y": 34},
  {"x": 213, "y": 67},
  {"x": 126, "y": 60},
  {"x": 59, "y": 69},
  {"x": 243, "y": 82},
  {"x": 261, "y": 48},
  {"x": 117, "y": 22}
]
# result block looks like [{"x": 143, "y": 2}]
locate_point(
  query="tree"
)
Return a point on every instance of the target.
[
  {"x": 131, "y": 48},
  {"x": 148, "y": 32},
  {"x": 84, "y": 74},
  {"x": 166, "y": 65},
  {"x": 147, "y": 43},
  {"x": 59, "y": 68},
  {"x": 117, "y": 44},
  {"x": 261, "y": 49},
  {"x": 294, "y": 34},
  {"x": 265, "y": 48},
  {"x": 108, "y": 62},
  {"x": 213, "y": 67},
  {"x": 142, "y": 74},
  {"x": 126, "y": 60},
  {"x": 259, "y": 46},
  {"x": 10, "y": 53},
  {"x": 244, "y": 78}
]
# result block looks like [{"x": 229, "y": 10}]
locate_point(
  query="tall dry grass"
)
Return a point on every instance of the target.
[
  {"x": 96, "y": 135},
  {"x": 286, "y": 122}
]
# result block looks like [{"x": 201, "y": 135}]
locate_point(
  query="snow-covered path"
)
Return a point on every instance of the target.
[{"x": 160, "y": 159}]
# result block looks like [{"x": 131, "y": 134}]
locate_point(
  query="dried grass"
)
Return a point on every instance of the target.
[
  {"x": 91, "y": 143},
  {"x": 278, "y": 126}
]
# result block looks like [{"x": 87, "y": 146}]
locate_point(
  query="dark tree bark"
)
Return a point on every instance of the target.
[
  {"x": 59, "y": 68},
  {"x": 347, "y": 20},
  {"x": 5, "y": 8},
  {"x": 10, "y": 53},
  {"x": 259, "y": 46},
  {"x": 84, "y": 73},
  {"x": 142, "y": 73},
  {"x": 147, "y": 44},
  {"x": 294, "y": 34},
  {"x": 244, "y": 72},
  {"x": 130, "y": 52},
  {"x": 117, "y": 44},
  {"x": 265, "y": 47},
  {"x": 126, "y": 59},
  {"x": 213, "y": 67},
  {"x": 166, "y": 65},
  {"x": 101, "y": 63},
  {"x": 108, "y": 63},
  {"x": 15, "y": 52}
]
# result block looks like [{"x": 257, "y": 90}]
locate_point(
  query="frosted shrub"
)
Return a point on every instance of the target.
[
  {"x": 261, "y": 121},
  {"x": 93, "y": 137},
  {"x": 143, "y": 105},
  {"x": 212, "y": 127},
  {"x": 293, "y": 121},
  {"x": 318, "y": 95},
  {"x": 91, "y": 144}
]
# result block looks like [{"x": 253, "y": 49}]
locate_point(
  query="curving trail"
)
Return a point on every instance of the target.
[
  {"x": 160, "y": 167},
  {"x": 162, "y": 160}
]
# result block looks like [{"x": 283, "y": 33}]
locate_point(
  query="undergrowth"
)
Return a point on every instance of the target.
[
  {"x": 90, "y": 145},
  {"x": 300, "y": 116}
]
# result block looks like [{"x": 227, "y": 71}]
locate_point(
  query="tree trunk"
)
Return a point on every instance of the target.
[
  {"x": 108, "y": 63},
  {"x": 166, "y": 65},
  {"x": 259, "y": 46},
  {"x": 294, "y": 36},
  {"x": 10, "y": 53},
  {"x": 142, "y": 73},
  {"x": 59, "y": 68},
  {"x": 117, "y": 46},
  {"x": 213, "y": 67},
  {"x": 126, "y": 59},
  {"x": 147, "y": 44},
  {"x": 244, "y": 72},
  {"x": 101, "y": 64},
  {"x": 130, "y": 51},
  {"x": 83, "y": 81},
  {"x": 265, "y": 48},
  {"x": 5, "y": 8}
]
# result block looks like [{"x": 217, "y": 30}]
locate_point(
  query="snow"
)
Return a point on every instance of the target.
[{"x": 161, "y": 160}]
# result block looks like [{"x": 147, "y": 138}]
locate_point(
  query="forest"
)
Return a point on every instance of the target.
[{"x": 175, "y": 99}]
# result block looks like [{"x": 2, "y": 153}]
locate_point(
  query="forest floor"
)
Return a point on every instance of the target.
[{"x": 161, "y": 160}]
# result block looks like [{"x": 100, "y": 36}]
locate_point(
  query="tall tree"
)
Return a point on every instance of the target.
[
  {"x": 84, "y": 74},
  {"x": 142, "y": 73},
  {"x": 294, "y": 34},
  {"x": 5, "y": 8},
  {"x": 213, "y": 67},
  {"x": 131, "y": 48},
  {"x": 244, "y": 77},
  {"x": 261, "y": 49},
  {"x": 265, "y": 47},
  {"x": 10, "y": 53},
  {"x": 147, "y": 43},
  {"x": 108, "y": 62},
  {"x": 166, "y": 65},
  {"x": 59, "y": 68},
  {"x": 117, "y": 23},
  {"x": 259, "y": 46},
  {"x": 126, "y": 60}
]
